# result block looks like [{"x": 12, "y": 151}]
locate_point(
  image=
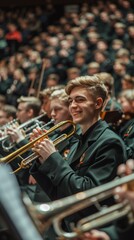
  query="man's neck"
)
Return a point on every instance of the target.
[{"x": 85, "y": 127}]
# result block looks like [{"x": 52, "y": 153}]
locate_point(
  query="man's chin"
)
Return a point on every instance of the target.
[{"x": 76, "y": 120}]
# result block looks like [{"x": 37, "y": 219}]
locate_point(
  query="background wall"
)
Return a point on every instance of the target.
[{"x": 12, "y": 3}]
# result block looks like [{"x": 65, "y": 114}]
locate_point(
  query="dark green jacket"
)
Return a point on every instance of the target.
[
  {"x": 126, "y": 132},
  {"x": 90, "y": 163}
]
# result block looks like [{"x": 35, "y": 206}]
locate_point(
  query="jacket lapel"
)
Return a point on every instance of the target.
[{"x": 79, "y": 152}]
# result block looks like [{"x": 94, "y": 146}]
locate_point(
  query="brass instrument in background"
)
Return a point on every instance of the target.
[
  {"x": 55, "y": 212},
  {"x": 27, "y": 127},
  {"x": 27, "y": 162}
]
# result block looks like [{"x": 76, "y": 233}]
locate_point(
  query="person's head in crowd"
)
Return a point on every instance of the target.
[
  {"x": 117, "y": 44},
  {"x": 118, "y": 14},
  {"x": 19, "y": 75},
  {"x": 125, "y": 4},
  {"x": 60, "y": 107},
  {"x": 75, "y": 31},
  {"x": 28, "y": 108},
  {"x": 87, "y": 97},
  {"x": 90, "y": 17},
  {"x": 93, "y": 37},
  {"x": 130, "y": 19},
  {"x": 79, "y": 59},
  {"x": 62, "y": 21},
  {"x": 53, "y": 42},
  {"x": 127, "y": 82},
  {"x": 52, "y": 80},
  {"x": 126, "y": 100},
  {"x": 131, "y": 32},
  {"x": 19, "y": 59},
  {"x": 11, "y": 27},
  {"x": 7, "y": 114},
  {"x": 45, "y": 98},
  {"x": 70, "y": 39},
  {"x": 119, "y": 68},
  {"x": 72, "y": 73},
  {"x": 83, "y": 24},
  {"x": 92, "y": 29},
  {"x": 112, "y": 7},
  {"x": 123, "y": 55},
  {"x": 51, "y": 52},
  {"x": 34, "y": 57},
  {"x": 102, "y": 45},
  {"x": 84, "y": 8},
  {"x": 108, "y": 81},
  {"x": 82, "y": 46},
  {"x": 64, "y": 44},
  {"x": 119, "y": 28},
  {"x": 93, "y": 68},
  {"x": 104, "y": 17},
  {"x": 100, "y": 56}
]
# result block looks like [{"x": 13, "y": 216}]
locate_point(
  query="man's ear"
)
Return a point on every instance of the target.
[
  {"x": 99, "y": 103},
  {"x": 30, "y": 112}
]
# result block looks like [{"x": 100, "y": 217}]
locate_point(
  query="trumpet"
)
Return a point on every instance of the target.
[
  {"x": 53, "y": 213},
  {"x": 27, "y": 127},
  {"x": 27, "y": 162}
]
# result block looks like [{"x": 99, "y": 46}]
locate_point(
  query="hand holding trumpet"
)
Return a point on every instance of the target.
[
  {"x": 44, "y": 147},
  {"x": 121, "y": 192}
]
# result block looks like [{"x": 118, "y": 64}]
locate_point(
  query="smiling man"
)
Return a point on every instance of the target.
[{"x": 93, "y": 160}]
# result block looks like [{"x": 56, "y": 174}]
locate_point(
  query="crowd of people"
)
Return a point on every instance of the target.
[
  {"x": 94, "y": 38},
  {"x": 75, "y": 67}
]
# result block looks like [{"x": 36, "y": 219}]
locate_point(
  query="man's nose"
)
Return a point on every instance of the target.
[
  {"x": 73, "y": 103},
  {"x": 52, "y": 113}
]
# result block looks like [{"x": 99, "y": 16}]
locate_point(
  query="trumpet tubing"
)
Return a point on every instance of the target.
[
  {"x": 30, "y": 145},
  {"x": 55, "y": 212},
  {"x": 24, "y": 126}
]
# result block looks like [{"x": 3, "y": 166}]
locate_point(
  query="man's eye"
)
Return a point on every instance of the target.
[
  {"x": 70, "y": 101},
  {"x": 80, "y": 100}
]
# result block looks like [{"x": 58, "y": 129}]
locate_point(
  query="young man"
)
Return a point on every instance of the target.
[{"x": 93, "y": 160}]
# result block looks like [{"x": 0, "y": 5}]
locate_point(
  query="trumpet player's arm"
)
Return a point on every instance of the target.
[{"x": 99, "y": 167}]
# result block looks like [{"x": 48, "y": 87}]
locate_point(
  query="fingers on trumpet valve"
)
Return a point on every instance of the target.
[
  {"x": 126, "y": 169},
  {"x": 36, "y": 133}
]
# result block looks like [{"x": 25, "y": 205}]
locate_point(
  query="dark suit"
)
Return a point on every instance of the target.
[
  {"x": 92, "y": 161},
  {"x": 126, "y": 132}
]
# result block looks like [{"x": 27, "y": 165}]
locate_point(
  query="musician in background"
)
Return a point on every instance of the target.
[
  {"x": 45, "y": 96},
  {"x": 28, "y": 108},
  {"x": 126, "y": 124},
  {"x": 93, "y": 160},
  {"x": 7, "y": 114}
]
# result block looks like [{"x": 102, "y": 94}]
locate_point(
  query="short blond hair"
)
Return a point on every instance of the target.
[
  {"x": 93, "y": 83},
  {"x": 128, "y": 94},
  {"x": 61, "y": 95}
]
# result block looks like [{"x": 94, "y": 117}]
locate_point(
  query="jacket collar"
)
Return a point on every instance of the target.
[{"x": 88, "y": 138}]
